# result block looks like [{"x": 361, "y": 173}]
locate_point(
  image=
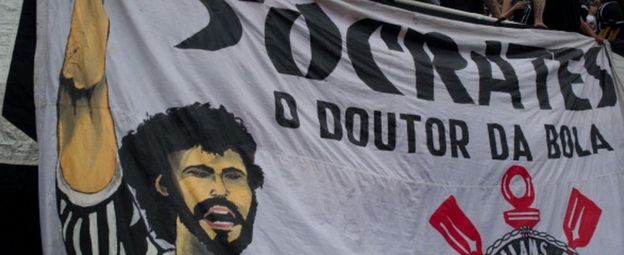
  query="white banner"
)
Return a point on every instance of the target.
[{"x": 321, "y": 127}]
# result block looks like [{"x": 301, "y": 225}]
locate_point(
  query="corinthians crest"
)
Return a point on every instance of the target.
[{"x": 580, "y": 222}]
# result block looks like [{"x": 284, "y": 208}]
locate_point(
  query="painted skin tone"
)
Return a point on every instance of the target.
[
  {"x": 86, "y": 138},
  {"x": 201, "y": 176}
]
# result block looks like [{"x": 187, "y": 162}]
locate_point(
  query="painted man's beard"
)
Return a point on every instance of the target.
[{"x": 222, "y": 215}]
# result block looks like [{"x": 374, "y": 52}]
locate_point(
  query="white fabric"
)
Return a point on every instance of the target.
[
  {"x": 618, "y": 65},
  {"x": 324, "y": 196}
]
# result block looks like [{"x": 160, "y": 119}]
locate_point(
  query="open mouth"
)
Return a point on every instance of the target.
[{"x": 220, "y": 218}]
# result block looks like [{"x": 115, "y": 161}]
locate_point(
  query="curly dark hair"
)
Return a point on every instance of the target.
[{"x": 144, "y": 156}]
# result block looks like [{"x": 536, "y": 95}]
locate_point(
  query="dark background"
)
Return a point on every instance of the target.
[{"x": 18, "y": 184}]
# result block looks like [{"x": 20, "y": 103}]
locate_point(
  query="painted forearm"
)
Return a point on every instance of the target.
[{"x": 86, "y": 137}]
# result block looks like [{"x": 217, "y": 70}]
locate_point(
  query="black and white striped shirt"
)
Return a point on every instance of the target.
[{"x": 106, "y": 222}]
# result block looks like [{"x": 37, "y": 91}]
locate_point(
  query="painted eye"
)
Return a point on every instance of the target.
[
  {"x": 233, "y": 176},
  {"x": 197, "y": 172}
]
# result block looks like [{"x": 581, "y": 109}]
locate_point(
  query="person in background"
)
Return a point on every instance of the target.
[
  {"x": 520, "y": 11},
  {"x": 590, "y": 16},
  {"x": 565, "y": 15},
  {"x": 610, "y": 19}
]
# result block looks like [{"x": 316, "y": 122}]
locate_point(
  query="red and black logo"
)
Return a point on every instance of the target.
[{"x": 579, "y": 224}]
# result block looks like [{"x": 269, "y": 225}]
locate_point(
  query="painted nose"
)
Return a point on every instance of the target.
[{"x": 218, "y": 188}]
